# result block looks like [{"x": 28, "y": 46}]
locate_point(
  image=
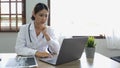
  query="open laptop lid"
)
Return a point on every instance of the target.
[{"x": 71, "y": 49}]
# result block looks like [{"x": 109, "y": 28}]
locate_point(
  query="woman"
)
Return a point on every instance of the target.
[{"x": 36, "y": 38}]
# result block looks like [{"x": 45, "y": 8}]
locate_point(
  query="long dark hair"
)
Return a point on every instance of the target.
[{"x": 39, "y": 7}]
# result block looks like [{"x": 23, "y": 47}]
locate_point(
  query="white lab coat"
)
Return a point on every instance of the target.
[{"x": 39, "y": 43}]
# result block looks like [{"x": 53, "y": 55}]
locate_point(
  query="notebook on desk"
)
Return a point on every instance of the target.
[{"x": 71, "y": 49}]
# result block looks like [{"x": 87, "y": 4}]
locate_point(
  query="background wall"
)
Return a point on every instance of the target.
[
  {"x": 7, "y": 40},
  {"x": 101, "y": 47}
]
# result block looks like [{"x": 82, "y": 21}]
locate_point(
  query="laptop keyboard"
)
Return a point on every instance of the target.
[{"x": 51, "y": 58}]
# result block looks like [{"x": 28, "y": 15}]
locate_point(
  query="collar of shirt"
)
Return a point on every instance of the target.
[
  {"x": 33, "y": 33},
  {"x": 32, "y": 25}
]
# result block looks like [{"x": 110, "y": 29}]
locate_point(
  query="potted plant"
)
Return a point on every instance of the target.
[{"x": 90, "y": 47}]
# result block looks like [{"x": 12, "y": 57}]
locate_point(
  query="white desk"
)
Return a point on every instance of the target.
[{"x": 99, "y": 61}]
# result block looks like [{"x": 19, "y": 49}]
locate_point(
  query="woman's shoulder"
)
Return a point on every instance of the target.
[{"x": 24, "y": 26}]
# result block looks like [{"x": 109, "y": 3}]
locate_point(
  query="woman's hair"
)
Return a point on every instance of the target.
[{"x": 39, "y": 7}]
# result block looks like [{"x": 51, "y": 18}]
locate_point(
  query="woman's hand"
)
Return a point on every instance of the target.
[
  {"x": 44, "y": 31},
  {"x": 42, "y": 54}
]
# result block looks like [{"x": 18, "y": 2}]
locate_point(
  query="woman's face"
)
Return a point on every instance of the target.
[{"x": 41, "y": 16}]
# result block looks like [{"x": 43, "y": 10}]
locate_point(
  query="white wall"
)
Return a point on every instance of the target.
[
  {"x": 7, "y": 40},
  {"x": 101, "y": 47}
]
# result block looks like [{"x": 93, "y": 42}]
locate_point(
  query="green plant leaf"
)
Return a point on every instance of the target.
[{"x": 91, "y": 42}]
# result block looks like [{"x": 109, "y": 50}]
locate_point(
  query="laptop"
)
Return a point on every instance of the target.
[{"x": 71, "y": 49}]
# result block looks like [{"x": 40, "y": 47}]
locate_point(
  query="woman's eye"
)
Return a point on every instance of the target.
[{"x": 41, "y": 15}]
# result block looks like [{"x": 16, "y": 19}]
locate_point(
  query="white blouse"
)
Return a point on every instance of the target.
[{"x": 38, "y": 43}]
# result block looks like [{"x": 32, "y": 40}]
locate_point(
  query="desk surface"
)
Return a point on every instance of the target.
[{"x": 99, "y": 61}]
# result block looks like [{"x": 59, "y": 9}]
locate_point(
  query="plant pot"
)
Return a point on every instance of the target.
[{"x": 90, "y": 52}]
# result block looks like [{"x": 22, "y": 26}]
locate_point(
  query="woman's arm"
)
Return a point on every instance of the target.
[
  {"x": 52, "y": 40},
  {"x": 21, "y": 43}
]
